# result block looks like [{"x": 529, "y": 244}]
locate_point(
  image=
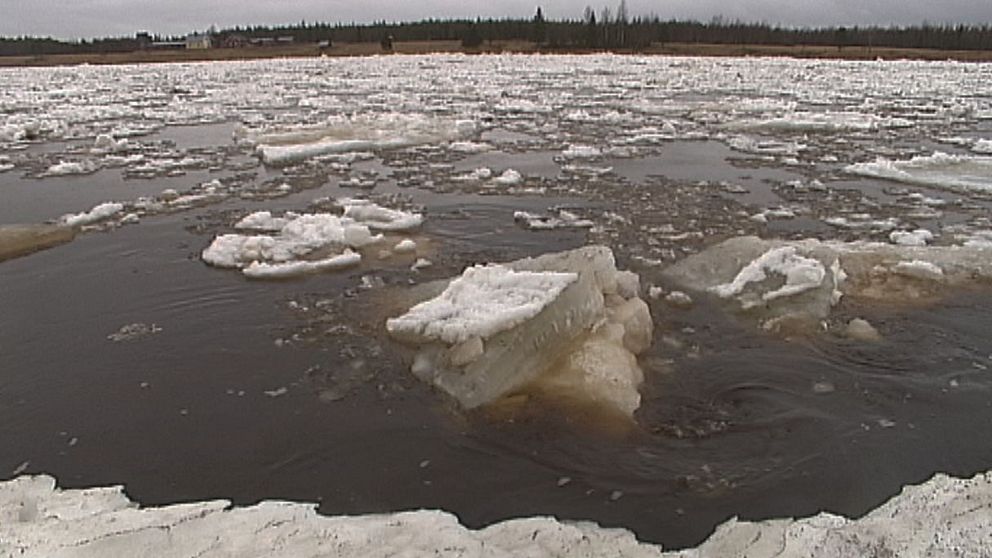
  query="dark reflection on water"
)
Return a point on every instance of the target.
[{"x": 733, "y": 423}]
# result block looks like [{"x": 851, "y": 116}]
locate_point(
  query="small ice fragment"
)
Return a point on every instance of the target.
[
  {"x": 886, "y": 423},
  {"x": 98, "y": 213},
  {"x": 405, "y": 246},
  {"x": 616, "y": 495},
  {"x": 562, "y": 481},
  {"x": 509, "y": 177},
  {"x": 73, "y": 441},
  {"x": 679, "y": 299},
  {"x": 421, "y": 263},
  {"x": 425, "y": 463},
  {"x": 919, "y": 237},
  {"x": 277, "y": 392},
  {"x": 861, "y": 330},
  {"x": 133, "y": 331},
  {"x": 20, "y": 468},
  {"x": 823, "y": 387}
]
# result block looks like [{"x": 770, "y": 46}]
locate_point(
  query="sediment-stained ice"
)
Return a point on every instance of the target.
[
  {"x": 802, "y": 280},
  {"x": 567, "y": 323},
  {"x": 20, "y": 240},
  {"x": 944, "y": 516}
]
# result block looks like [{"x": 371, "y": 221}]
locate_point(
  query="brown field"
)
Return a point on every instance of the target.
[{"x": 425, "y": 47}]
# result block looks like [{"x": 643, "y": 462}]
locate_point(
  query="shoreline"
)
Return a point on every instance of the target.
[{"x": 304, "y": 50}]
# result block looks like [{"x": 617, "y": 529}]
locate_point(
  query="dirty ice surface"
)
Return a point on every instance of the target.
[{"x": 810, "y": 238}]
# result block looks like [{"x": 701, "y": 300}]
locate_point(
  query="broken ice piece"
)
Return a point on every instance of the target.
[{"x": 568, "y": 324}]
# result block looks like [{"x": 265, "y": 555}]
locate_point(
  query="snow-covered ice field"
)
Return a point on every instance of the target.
[{"x": 812, "y": 242}]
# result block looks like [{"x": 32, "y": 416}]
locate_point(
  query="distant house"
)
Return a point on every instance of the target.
[{"x": 198, "y": 41}]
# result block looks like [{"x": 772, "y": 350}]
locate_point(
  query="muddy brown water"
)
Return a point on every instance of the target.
[{"x": 289, "y": 390}]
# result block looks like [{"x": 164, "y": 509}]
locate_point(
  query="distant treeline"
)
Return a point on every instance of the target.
[{"x": 606, "y": 29}]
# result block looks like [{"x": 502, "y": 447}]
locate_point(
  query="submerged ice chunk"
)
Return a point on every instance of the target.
[{"x": 568, "y": 324}]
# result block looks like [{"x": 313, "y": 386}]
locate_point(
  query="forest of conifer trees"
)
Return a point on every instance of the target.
[{"x": 610, "y": 28}]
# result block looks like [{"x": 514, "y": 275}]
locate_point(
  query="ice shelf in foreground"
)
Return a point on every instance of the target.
[
  {"x": 778, "y": 280},
  {"x": 942, "y": 517},
  {"x": 567, "y": 324}
]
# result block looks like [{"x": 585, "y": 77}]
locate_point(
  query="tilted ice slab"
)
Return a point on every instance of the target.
[
  {"x": 568, "y": 323},
  {"x": 961, "y": 173},
  {"x": 379, "y": 218},
  {"x": 942, "y": 517},
  {"x": 99, "y": 213},
  {"x": 358, "y": 133},
  {"x": 779, "y": 280}
]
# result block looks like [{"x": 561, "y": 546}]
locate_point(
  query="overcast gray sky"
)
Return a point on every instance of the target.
[{"x": 94, "y": 18}]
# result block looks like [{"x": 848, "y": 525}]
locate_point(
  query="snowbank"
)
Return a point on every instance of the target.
[
  {"x": 942, "y": 517},
  {"x": 568, "y": 324},
  {"x": 20, "y": 240}
]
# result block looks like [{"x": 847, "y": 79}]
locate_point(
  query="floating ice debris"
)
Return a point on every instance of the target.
[
  {"x": 64, "y": 168},
  {"x": 264, "y": 221},
  {"x": 421, "y": 263},
  {"x": 509, "y": 177},
  {"x": 862, "y": 221},
  {"x": 379, "y": 218},
  {"x": 360, "y": 133},
  {"x": 130, "y": 332},
  {"x": 260, "y": 270},
  {"x": 569, "y": 323},
  {"x": 861, "y": 330},
  {"x": 479, "y": 174},
  {"x": 277, "y": 392},
  {"x": 405, "y": 246},
  {"x": 106, "y": 143},
  {"x": 800, "y": 273},
  {"x": 298, "y": 238},
  {"x": 962, "y": 173},
  {"x": 564, "y": 219},
  {"x": 777, "y": 280},
  {"x": 765, "y": 146},
  {"x": 20, "y": 240},
  {"x": 43, "y": 520},
  {"x": 918, "y": 237},
  {"x": 821, "y": 122},
  {"x": 469, "y": 147},
  {"x": 99, "y": 213},
  {"x": 678, "y": 299},
  {"x": 983, "y": 146},
  {"x": 581, "y": 152}
]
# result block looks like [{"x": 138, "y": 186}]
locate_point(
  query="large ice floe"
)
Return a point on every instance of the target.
[
  {"x": 942, "y": 517},
  {"x": 296, "y": 244},
  {"x": 567, "y": 324},
  {"x": 781, "y": 281},
  {"x": 340, "y": 134},
  {"x": 961, "y": 173}
]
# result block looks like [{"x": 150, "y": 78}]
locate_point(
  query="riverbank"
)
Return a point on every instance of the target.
[{"x": 495, "y": 47}]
